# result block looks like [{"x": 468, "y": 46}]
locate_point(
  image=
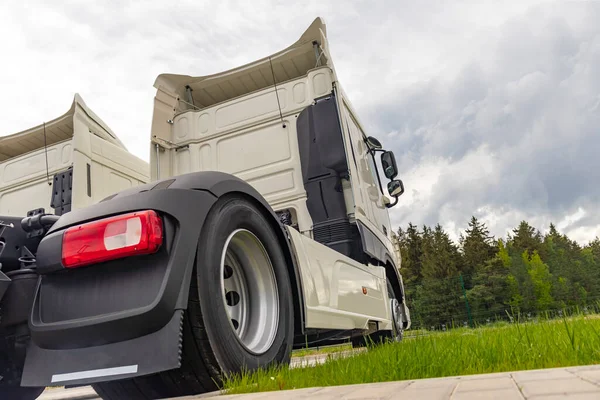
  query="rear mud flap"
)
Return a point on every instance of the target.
[{"x": 149, "y": 354}]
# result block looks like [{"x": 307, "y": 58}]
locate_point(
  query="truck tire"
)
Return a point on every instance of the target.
[
  {"x": 395, "y": 335},
  {"x": 240, "y": 314},
  {"x": 20, "y": 393}
]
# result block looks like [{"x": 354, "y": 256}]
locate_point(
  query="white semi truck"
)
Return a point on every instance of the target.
[{"x": 264, "y": 228}]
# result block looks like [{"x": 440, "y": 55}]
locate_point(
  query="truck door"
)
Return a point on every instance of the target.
[{"x": 368, "y": 195}]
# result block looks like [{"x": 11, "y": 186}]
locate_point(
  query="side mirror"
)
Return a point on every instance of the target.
[
  {"x": 388, "y": 163},
  {"x": 373, "y": 143},
  {"x": 396, "y": 188}
]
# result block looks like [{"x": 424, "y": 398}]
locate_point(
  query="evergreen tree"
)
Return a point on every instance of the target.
[
  {"x": 441, "y": 259},
  {"x": 524, "y": 241},
  {"x": 572, "y": 280},
  {"x": 594, "y": 247},
  {"x": 440, "y": 301},
  {"x": 411, "y": 252},
  {"x": 477, "y": 249},
  {"x": 490, "y": 293},
  {"x": 515, "y": 298},
  {"x": 526, "y": 238},
  {"x": 411, "y": 244},
  {"x": 590, "y": 259},
  {"x": 440, "y": 296}
]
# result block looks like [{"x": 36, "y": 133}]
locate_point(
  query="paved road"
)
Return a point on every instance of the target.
[{"x": 570, "y": 383}]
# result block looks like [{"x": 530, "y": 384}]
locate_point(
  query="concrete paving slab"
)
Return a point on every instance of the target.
[
  {"x": 584, "y": 368},
  {"x": 573, "y": 396},
  {"x": 589, "y": 375},
  {"x": 570, "y": 383},
  {"x": 495, "y": 375},
  {"x": 558, "y": 383},
  {"x": 429, "y": 393},
  {"x": 359, "y": 392},
  {"x": 485, "y": 384},
  {"x": 502, "y": 394},
  {"x": 542, "y": 374}
]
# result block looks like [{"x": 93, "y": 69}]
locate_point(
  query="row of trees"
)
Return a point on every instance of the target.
[{"x": 483, "y": 278}]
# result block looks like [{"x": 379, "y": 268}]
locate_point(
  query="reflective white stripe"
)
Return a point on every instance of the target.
[{"x": 95, "y": 373}]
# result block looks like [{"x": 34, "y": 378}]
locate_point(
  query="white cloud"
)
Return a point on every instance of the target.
[{"x": 529, "y": 97}]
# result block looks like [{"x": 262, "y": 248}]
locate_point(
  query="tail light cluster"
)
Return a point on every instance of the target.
[{"x": 125, "y": 235}]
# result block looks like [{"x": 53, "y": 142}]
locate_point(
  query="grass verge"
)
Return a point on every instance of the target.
[
  {"x": 321, "y": 350},
  {"x": 519, "y": 346}
]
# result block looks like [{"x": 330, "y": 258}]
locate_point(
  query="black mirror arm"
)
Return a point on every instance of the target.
[{"x": 390, "y": 205}]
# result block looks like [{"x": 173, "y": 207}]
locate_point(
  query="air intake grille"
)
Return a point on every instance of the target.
[{"x": 334, "y": 231}]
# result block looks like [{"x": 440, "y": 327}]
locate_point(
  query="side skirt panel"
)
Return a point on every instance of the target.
[{"x": 339, "y": 293}]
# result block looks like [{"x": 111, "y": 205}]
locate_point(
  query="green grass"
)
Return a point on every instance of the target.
[{"x": 556, "y": 343}]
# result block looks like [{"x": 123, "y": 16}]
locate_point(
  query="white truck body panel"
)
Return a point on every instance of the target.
[
  {"x": 23, "y": 180},
  {"x": 245, "y": 137},
  {"x": 334, "y": 288},
  {"x": 29, "y": 160},
  {"x": 236, "y": 122}
]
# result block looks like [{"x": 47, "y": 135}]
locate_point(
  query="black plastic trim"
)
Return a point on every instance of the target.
[
  {"x": 4, "y": 284},
  {"x": 16, "y": 302},
  {"x": 372, "y": 245},
  {"x": 375, "y": 248},
  {"x": 62, "y": 186},
  {"x": 89, "y": 180},
  {"x": 15, "y": 239},
  {"x": 324, "y": 164}
]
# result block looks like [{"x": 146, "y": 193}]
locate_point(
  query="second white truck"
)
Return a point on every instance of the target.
[
  {"x": 264, "y": 228},
  {"x": 73, "y": 161}
]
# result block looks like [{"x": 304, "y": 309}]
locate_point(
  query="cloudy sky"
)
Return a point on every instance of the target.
[{"x": 491, "y": 107}]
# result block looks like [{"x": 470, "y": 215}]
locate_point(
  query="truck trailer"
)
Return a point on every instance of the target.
[{"x": 264, "y": 227}]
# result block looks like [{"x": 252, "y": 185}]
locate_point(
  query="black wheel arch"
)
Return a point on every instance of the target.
[
  {"x": 221, "y": 185},
  {"x": 392, "y": 273}
]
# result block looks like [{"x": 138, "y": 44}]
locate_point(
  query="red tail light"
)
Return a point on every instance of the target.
[{"x": 121, "y": 236}]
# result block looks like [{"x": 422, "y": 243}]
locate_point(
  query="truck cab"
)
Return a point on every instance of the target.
[{"x": 285, "y": 125}]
